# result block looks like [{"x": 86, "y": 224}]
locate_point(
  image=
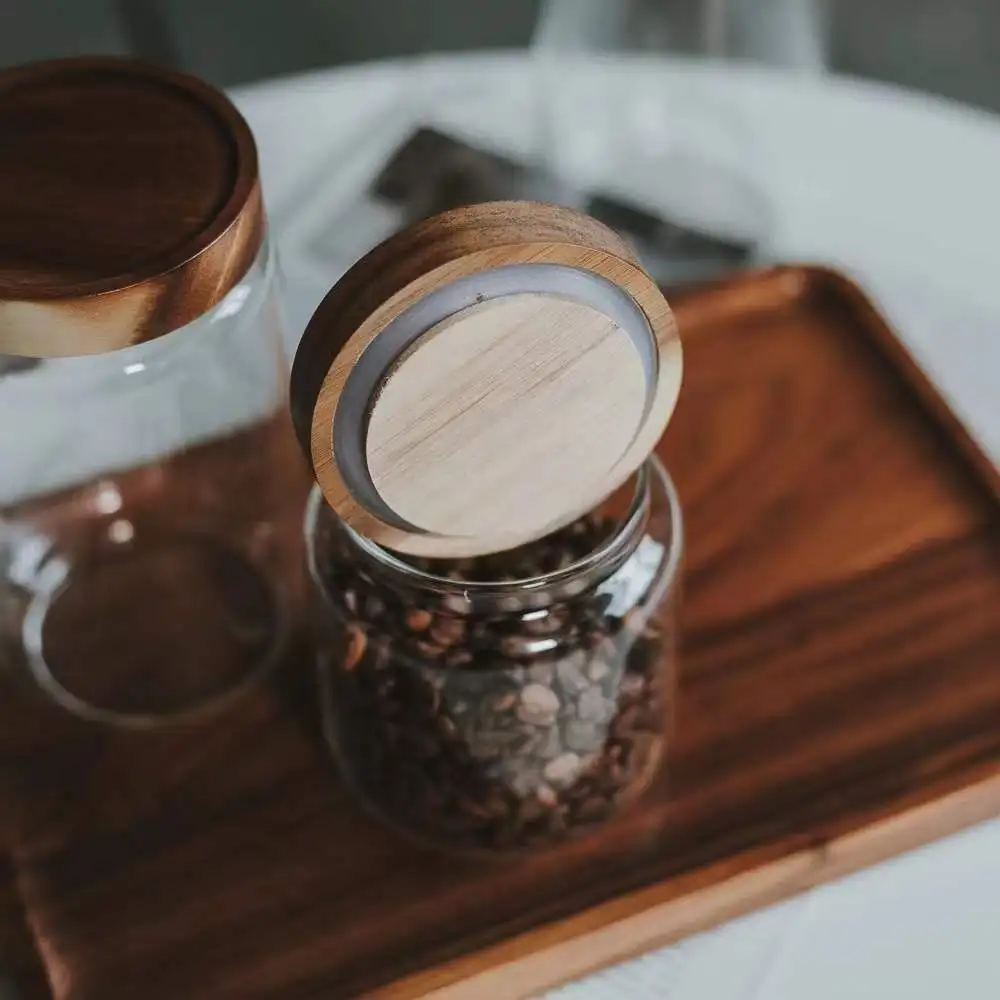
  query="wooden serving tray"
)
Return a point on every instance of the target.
[
  {"x": 839, "y": 702},
  {"x": 20, "y": 965}
]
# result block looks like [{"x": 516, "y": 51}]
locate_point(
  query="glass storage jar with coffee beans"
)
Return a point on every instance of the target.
[{"x": 495, "y": 549}]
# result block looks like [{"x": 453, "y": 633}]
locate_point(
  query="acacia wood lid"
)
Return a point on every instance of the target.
[
  {"x": 483, "y": 378},
  {"x": 129, "y": 204}
]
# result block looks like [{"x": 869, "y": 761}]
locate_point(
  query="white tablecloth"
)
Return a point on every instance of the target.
[{"x": 898, "y": 189}]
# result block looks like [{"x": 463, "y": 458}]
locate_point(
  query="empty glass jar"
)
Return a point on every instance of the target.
[
  {"x": 151, "y": 493},
  {"x": 504, "y": 701}
]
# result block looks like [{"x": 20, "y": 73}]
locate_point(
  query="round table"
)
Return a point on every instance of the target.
[{"x": 898, "y": 189}]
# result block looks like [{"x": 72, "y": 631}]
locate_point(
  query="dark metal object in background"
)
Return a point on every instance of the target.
[
  {"x": 12, "y": 365},
  {"x": 432, "y": 172}
]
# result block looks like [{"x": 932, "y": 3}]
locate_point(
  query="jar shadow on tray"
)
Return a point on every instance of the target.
[{"x": 507, "y": 701}]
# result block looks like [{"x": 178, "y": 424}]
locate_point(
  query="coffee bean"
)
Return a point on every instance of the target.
[
  {"x": 594, "y": 706},
  {"x": 447, "y": 728},
  {"x": 632, "y": 687},
  {"x": 448, "y": 631},
  {"x": 571, "y": 671},
  {"x": 356, "y": 643},
  {"x": 487, "y": 746},
  {"x": 530, "y": 810},
  {"x": 547, "y": 744},
  {"x": 539, "y": 705},
  {"x": 419, "y": 619},
  {"x": 546, "y": 795},
  {"x": 430, "y": 649},
  {"x": 562, "y": 771},
  {"x": 539, "y": 673},
  {"x": 627, "y": 720},
  {"x": 522, "y": 781},
  {"x": 593, "y": 809},
  {"x": 598, "y": 669},
  {"x": 583, "y": 737},
  {"x": 505, "y": 702},
  {"x": 495, "y": 730}
]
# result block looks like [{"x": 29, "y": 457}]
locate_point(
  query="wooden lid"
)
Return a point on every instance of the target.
[
  {"x": 129, "y": 204},
  {"x": 483, "y": 378}
]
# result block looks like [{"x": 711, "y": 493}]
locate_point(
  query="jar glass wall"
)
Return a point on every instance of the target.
[
  {"x": 508, "y": 701},
  {"x": 149, "y": 511}
]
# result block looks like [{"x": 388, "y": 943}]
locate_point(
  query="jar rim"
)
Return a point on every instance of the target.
[
  {"x": 602, "y": 561},
  {"x": 75, "y": 373}
]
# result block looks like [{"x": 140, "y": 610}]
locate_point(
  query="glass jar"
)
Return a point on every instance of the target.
[
  {"x": 494, "y": 546},
  {"x": 149, "y": 540},
  {"x": 152, "y": 490},
  {"x": 506, "y": 701}
]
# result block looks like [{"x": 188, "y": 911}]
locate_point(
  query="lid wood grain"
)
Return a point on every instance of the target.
[
  {"x": 483, "y": 378},
  {"x": 129, "y": 204}
]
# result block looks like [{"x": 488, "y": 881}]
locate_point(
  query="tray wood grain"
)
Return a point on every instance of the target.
[
  {"x": 839, "y": 703},
  {"x": 20, "y": 965}
]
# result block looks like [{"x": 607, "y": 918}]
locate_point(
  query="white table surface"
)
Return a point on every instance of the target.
[{"x": 898, "y": 189}]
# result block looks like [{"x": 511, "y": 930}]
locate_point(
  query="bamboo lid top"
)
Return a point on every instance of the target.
[
  {"x": 483, "y": 378},
  {"x": 129, "y": 204}
]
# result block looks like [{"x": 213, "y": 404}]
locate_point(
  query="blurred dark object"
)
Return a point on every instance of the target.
[
  {"x": 674, "y": 253},
  {"x": 432, "y": 172},
  {"x": 228, "y": 42},
  {"x": 11, "y": 365},
  {"x": 945, "y": 48},
  {"x": 47, "y": 29}
]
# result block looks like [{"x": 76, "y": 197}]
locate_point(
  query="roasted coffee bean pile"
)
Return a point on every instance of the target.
[{"x": 498, "y": 731}]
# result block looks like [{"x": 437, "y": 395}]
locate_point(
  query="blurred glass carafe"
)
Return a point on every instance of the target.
[{"x": 150, "y": 500}]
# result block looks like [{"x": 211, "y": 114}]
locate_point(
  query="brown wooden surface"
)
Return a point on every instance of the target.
[
  {"x": 379, "y": 276},
  {"x": 129, "y": 204},
  {"x": 839, "y": 702},
  {"x": 20, "y": 965}
]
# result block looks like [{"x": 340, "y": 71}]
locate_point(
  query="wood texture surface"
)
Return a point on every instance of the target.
[
  {"x": 129, "y": 204},
  {"x": 420, "y": 261},
  {"x": 839, "y": 702},
  {"x": 462, "y": 400}
]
